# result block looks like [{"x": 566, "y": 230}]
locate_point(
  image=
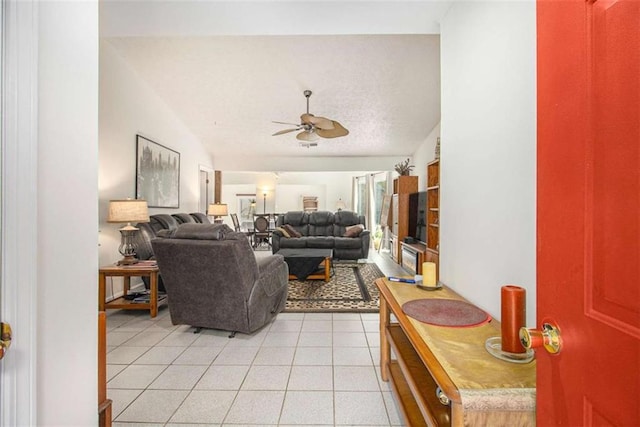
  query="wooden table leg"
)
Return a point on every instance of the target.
[
  {"x": 327, "y": 269},
  {"x": 153, "y": 301},
  {"x": 126, "y": 285},
  {"x": 102, "y": 283},
  {"x": 104, "y": 404},
  {"x": 385, "y": 350}
]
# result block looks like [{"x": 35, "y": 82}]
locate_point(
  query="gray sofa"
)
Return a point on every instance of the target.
[
  {"x": 325, "y": 230},
  {"x": 214, "y": 280}
]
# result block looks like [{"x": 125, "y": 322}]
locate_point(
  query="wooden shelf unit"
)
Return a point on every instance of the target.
[
  {"x": 436, "y": 361},
  {"x": 433, "y": 214}
]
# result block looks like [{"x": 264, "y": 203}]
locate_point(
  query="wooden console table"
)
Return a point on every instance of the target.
[
  {"x": 436, "y": 363},
  {"x": 141, "y": 269}
]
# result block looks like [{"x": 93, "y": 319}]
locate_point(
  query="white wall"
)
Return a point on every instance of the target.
[
  {"x": 67, "y": 208},
  {"x": 488, "y": 179},
  {"x": 423, "y": 155},
  {"x": 129, "y": 107},
  {"x": 284, "y": 189}
]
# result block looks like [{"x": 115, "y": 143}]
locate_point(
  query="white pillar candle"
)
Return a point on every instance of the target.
[{"x": 429, "y": 273}]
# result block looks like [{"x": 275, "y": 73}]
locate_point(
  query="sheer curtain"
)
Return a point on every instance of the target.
[{"x": 368, "y": 193}]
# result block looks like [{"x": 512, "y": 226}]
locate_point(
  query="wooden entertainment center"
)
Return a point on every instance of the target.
[
  {"x": 402, "y": 187},
  {"x": 444, "y": 376},
  {"x": 419, "y": 252}
]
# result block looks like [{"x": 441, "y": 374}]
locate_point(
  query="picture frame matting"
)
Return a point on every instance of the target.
[{"x": 157, "y": 174}]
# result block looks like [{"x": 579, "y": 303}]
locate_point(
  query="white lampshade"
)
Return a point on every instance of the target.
[
  {"x": 340, "y": 205},
  {"x": 129, "y": 210},
  {"x": 307, "y": 136},
  {"x": 217, "y": 209}
]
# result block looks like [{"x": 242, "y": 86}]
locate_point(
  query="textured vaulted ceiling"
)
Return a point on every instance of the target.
[{"x": 228, "y": 88}]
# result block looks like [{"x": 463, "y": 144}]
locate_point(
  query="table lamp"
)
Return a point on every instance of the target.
[
  {"x": 217, "y": 211},
  {"x": 129, "y": 210},
  {"x": 340, "y": 205}
]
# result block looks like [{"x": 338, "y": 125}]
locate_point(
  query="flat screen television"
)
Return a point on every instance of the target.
[{"x": 418, "y": 216}]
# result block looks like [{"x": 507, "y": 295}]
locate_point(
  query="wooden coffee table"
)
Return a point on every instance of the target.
[{"x": 315, "y": 264}]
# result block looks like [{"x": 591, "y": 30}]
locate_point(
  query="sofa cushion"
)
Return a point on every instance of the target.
[
  {"x": 320, "y": 242},
  {"x": 353, "y": 230},
  {"x": 200, "y": 217},
  {"x": 184, "y": 218},
  {"x": 143, "y": 240},
  {"x": 347, "y": 243},
  {"x": 296, "y": 218},
  {"x": 346, "y": 218},
  {"x": 321, "y": 223},
  {"x": 166, "y": 233},
  {"x": 163, "y": 221},
  {"x": 196, "y": 231},
  {"x": 291, "y": 231},
  {"x": 299, "y": 220},
  {"x": 293, "y": 242}
]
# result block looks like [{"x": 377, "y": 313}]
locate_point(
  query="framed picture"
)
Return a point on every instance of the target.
[{"x": 157, "y": 174}]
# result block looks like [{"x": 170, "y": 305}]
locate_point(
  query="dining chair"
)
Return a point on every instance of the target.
[
  {"x": 236, "y": 223},
  {"x": 261, "y": 232}
]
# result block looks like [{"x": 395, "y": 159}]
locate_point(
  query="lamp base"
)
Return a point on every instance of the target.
[{"x": 128, "y": 260}]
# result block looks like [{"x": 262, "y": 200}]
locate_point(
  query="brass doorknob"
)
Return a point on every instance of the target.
[
  {"x": 548, "y": 337},
  {"x": 5, "y": 338}
]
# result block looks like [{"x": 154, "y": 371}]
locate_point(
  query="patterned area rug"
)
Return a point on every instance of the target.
[{"x": 351, "y": 289}]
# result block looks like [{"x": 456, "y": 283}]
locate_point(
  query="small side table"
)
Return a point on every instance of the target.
[{"x": 141, "y": 269}]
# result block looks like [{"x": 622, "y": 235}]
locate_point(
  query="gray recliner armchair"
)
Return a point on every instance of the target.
[{"x": 213, "y": 279}]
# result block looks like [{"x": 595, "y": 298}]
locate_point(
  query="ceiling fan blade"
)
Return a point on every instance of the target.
[
  {"x": 337, "y": 131},
  {"x": 282, "y": 132},
  {"x": 307, "y": 136},
  {"x": 323, "y": 123},
  {"x": 306, "y": 118},
  {"x": 319, "y": 122},
  {"x": 286, "y": 123}
]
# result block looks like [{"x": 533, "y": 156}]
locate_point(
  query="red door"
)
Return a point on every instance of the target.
[{"x": 588, "y": 232}]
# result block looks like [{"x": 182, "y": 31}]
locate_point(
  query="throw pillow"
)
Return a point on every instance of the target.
[
  {"x": 292, "y": 231},
  {"x": 353, "y": 231},
  {"x": 165, "y": 233},
  {"x": 284, "y": 232}
]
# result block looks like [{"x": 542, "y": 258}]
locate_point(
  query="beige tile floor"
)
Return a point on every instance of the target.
[{"x": 301, "y": 369}]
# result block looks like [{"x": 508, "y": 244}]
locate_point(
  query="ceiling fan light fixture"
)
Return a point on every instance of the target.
[
  {"x": 307, "y": 135},
  {"x": 315, "y": 126}
]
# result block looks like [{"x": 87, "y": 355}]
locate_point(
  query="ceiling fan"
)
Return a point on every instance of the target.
[{"x": 313, "y": 127}]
